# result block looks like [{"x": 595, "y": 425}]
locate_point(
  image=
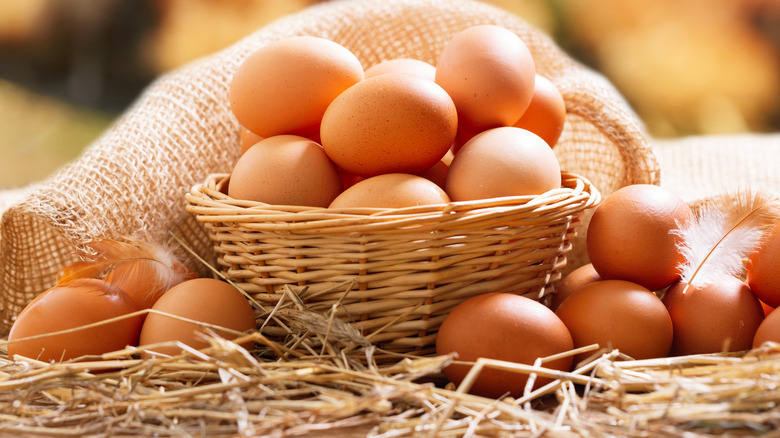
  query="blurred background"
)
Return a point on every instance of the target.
[{"x": 68, "y": 68}]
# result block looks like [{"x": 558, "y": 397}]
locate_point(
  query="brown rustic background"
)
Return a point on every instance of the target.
[{"x": 68, "y": 68}]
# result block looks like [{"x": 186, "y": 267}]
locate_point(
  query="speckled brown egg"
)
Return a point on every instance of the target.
[{"x": 391, "y": 123}]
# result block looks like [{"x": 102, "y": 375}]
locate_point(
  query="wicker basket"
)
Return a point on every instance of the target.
[{"x": 407, "y": 268}]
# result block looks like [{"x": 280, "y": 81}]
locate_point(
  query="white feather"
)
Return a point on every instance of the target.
[{"x": 727, "y": 230}]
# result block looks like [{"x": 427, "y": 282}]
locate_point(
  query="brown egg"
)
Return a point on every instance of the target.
[
  {"x": 285, "y": 86},
  {"x": 462, "y": 137},
  {"x": 767, "y": 308},
  {"x": 768, "y": 330},
  {"x": 205, "y": 300},
  {"x": 391, "y": 190},
  {"x": 391, "y": 123},
  {"x": 146, "y": 279},
  {"x": 490, "y": 73},
  {"x": 546, "y": 114},
  {"x": 78, "y": 303},
  {"x": 436, "y": 173},
  {"x": 618, "y": 314},
  {"x": 722, "y": 316},
  {"x": 349, "y": 179},
  {"x": 503, "y": 162},
  {"x": 763, "y": 275},
  {"x": 573, "y": 282},
  {"x": 504, "y": 327},
  {"x": 403, "y": 65},
  {"x": 248, "y": 139},
  {"x": 630, "y": 235},
  {"x": 286, "y": 170}
]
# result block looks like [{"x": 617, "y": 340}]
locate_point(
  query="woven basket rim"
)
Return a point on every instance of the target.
[{"x": 209, "y": 204}]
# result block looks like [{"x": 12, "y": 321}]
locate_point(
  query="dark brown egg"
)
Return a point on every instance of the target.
[
  {"x": 618, "y": 314},
  {"x": 713, "y": 318},
  {"x": 505, "y": 327}
]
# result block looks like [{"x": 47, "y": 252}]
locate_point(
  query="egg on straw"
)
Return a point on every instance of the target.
[{"x": 713, "y": 310}]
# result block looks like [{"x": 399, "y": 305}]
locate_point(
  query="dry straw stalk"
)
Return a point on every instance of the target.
[{"x": 225, "y": 390}]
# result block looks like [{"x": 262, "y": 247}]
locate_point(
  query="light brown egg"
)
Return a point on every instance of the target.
[
  {"x": 391, "y": 123},
  {"x": 403, "y": 65},
  {"x": 546, "y": 114},
  {"x": 630, "y": 236},
  {"x": 76, "y": 304},
  {"x": 391, "y": 190},
  {"x": 768, "y": 330},
  {"x": 505, "y": 327},
  {"x": 285, "y": 86},
  {"x": 248, "y": 139},
  {"x": 763, "y": 274},
  {"x": 573, "y": 282},
  {"x": 618, "y": 314},
  {"x": 503, "y": 161},
  {"x": 286, "y": 170},
  {"x": 490, "y": 73},
  {"x": 723, "y": 316},
  {"x": 205, "y": 300}
]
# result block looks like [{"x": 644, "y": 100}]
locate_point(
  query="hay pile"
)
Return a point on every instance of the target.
[{"x": 323, "y": 379}]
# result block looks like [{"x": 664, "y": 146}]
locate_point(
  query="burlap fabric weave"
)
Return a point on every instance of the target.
[{"x": 132, "y": 180}]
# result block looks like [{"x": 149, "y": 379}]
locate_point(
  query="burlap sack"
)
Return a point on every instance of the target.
[
  {"x": 132, "y": 180},
  {"x": 705, "y": 166}
]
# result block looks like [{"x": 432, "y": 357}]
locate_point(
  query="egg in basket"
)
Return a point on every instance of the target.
[{"x": 387, "y": 196}]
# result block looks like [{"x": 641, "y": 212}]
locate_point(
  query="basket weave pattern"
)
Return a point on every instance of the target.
[{"x": 401, "y": 270}]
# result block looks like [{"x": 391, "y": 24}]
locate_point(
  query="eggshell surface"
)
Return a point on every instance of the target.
[
  {"x": 403, "y": 65},
  {"x": 247, "y": 139},
  {"x": 618, "y": 314},
  {"x": 391, "y": 123},
  {"x": 505, "y": 327},
  {"x": 503, "y": 161},
  {"x": 285, "y": 86},
  {"x": 286, "y": 170},
  {"x": 573, "y": 282},
  {"x": 546, "y": 114},
  {"x": 78, "y": 303},
  {"x": 763, "y": 269},
  {"x": 631, "y": 235},
  {"x": 713, "y": 318},
  {"x": 768, "y": 330},
  {"x": 489, "y": 72},
  {"x": 205, "y": 300},
  {"x": 391, "y": 190}
]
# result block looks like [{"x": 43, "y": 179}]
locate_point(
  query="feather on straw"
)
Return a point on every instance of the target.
[{"x": 728, "y": 228}]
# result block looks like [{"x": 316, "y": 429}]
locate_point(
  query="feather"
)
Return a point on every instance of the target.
[
  {"x": 728, "y": 228},
  {"x": 144, "y": 270}
]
